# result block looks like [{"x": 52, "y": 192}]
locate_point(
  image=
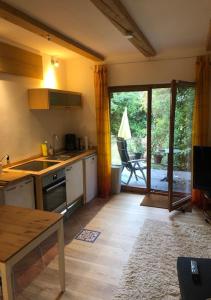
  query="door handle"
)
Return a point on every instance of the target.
[{"x": 55, "y": 186}]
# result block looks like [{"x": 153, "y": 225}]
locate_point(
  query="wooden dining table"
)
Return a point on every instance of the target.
[{"x": 21, "y": 231}]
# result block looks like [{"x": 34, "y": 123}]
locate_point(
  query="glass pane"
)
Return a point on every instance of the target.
[
  {"x": 129, "y": 136},
  {"x": 58, "y": 99},
  {"x": 73, "y": 100},
  {"x": 65, "y": 99},
  {"x": 182, "y": 151},
  {"x": 160, "y": 138}
]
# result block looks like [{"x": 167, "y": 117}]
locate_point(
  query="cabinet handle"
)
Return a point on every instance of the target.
[
  {"x": 11, "y": 189},
  {"x": 29, "y": 181},
  {"x": 69, "y": 169}
]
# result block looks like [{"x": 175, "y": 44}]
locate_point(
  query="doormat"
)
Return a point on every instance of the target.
[
  {"x": 155, "y": 200},
  {"x": 87, "y": 235},
  {"x": 159, "y": 201}
]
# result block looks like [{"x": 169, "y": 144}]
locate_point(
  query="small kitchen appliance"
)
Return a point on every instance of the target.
[{"x": 70, "y": 142}]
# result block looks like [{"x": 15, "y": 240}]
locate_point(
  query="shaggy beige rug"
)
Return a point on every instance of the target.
[{"x": 151, "y": 270}]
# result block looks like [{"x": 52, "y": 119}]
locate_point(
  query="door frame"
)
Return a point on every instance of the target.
[{"x": 140, "y": 88}]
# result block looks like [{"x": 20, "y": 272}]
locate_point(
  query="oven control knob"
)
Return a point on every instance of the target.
[{"x": 54, "y": 176}]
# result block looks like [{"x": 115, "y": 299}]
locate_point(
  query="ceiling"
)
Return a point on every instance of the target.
[{"x": 174, "y": 28}]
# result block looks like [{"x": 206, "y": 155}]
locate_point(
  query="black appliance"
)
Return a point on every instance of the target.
[
  {"x": 54, "y": 191},
  {"x": 202, "y": 168},
  {"x": 70, "y": 142},
  {"x": 35, "y": 165}
]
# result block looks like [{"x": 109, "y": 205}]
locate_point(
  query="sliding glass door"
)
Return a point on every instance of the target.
[
  {"x": 129, "y": 127},
  {"x": 180, "y": 143},
  {"x": 151, "y": 129}
]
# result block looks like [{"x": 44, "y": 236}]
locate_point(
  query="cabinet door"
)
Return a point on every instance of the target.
[
  {"x": 20, "y": 194},
  {"x": 59, "y": 99},
  {"x": 27, "y": 192},
  {"x": 12, "y": 195},
  {"x": 73, "y": 99},
  {"x": 74, "y": 181},
  {"x": 91, "y": 177}
]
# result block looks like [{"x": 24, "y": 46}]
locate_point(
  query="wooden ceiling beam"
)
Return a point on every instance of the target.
[
  {"x": 209, "y": 38},
  {"x": 116, "y": 12},
  {"x": 25, "y": 21}
]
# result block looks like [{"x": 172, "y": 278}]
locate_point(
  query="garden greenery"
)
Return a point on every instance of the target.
[{"x": 136, "y": 103}]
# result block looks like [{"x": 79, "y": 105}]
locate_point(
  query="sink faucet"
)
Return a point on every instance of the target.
[
  {"x": 55, "y": 140},
  {"x": 6, "y": 156}
]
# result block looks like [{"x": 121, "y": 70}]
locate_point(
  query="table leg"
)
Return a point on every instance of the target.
[
  {"x": 60, "y": 236},
  {"x": 6, "y": 278}
]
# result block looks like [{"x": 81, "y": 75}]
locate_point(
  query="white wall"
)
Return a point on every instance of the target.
[
  {"x": 80, "y": 78},
  {"x": 151, "y": 72},
  {"x": 23, "y": 130}
]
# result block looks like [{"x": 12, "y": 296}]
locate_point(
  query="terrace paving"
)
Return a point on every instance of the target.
[{"x": 182, "y": 180}]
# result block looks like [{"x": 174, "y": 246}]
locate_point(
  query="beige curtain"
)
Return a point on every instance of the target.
[
  {"x": 103, "y": 130},
  {"x": 201, "y": 111}
]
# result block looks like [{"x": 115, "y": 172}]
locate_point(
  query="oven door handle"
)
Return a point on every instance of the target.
[{"x": 55, "y": 186}]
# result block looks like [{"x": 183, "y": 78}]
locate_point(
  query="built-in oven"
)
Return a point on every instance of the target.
[{"x": 54, "y": 191}]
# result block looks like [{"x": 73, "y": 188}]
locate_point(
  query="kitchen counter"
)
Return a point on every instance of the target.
[
  {"x": 60, "y": 164},
  {"x": 7, "y": 177},
  {"x": 15, "y": 174}
]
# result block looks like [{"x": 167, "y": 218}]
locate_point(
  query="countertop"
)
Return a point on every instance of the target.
[
  {"x": 19, "y": 226},
  {"x": 7, "y": 177},
  {"x": 12, "y": 174}
]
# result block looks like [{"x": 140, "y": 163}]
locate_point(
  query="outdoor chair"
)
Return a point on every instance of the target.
[{"x": 133, "y": 165}]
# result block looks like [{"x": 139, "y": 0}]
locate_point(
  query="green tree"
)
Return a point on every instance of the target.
[
  {"x": 136, "y": 108},
  {"x": 136, "y": 103}
]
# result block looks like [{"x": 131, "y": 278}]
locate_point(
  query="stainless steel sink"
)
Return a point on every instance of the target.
[
  {"x": 64, "y": 155},
  {"x": 59, "y": 157}
]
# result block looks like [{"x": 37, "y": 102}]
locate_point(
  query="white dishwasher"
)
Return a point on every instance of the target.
[{"x": 90, "y": 170}]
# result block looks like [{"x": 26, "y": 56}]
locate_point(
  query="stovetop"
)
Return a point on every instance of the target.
[{"x": 35, "y": 165}]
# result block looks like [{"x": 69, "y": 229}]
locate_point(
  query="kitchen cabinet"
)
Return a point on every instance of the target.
[
  {"x": 90, "y": 169},
  {"x": 20, "y": 194},
  {"x": 74, "y": 181},
  {"x": 44, "y": 98}
]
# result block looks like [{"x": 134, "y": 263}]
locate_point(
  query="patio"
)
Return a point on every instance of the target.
[{"x": 182, "y": 180}]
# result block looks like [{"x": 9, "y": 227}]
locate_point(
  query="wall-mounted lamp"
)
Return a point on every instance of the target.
[
  {"x": 55, "y": 62},
  {"x": 48, "y": 37}
]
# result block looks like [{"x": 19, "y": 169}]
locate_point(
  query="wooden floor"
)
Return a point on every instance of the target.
[{"x": 93, "y": 270}]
